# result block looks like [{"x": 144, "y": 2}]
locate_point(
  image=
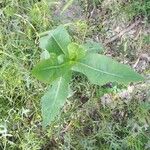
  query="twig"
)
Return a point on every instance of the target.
[
  {"x": 143, "y": 57},
  {"x": 114, "y": 38},
  {"x": 67, "y": 127}
]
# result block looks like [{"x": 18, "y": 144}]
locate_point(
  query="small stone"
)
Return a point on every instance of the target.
[{"x": 106, "y": 100}]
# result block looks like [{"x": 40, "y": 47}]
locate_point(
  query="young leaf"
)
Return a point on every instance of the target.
[
  {"x": 93, "y": 47},
  {"x": 54, "y": 99},
  {"x": 61, "y": 59},
  {"x": 101, "y": 69},
  {"x": 56, "y": 41},
  {"x": 50, "y": 69},
  {"x": 75, "y": 51},
  {"x": 44, "y": 55}
]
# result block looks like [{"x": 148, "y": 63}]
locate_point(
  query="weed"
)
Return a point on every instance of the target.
[
  {"x": 84, "y": 122},
  {"x": 65, "y": 57}
]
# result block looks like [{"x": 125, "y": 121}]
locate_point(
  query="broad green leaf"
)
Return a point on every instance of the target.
[
  {"x": 93, "y": 47},
  {"x": 54, "y": 99},
  {"x": 56, "y": 41},
  {"x": 50, "y": 69},
  {"x": 75, "y": 51},
  {"x": 101, "y": 69}
]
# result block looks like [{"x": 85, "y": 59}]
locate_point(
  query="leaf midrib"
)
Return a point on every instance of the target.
[
  {"x": 98, "y": 70},
  {"x": 57, "y": 42},
  {"x": 57, "y": 91},
  {"x": 59, "y": 82},
  {"x": 53, "y": 67}
]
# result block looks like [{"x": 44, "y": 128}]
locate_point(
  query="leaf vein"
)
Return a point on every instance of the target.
[
  {"x": 57, "y": 42},
  {"x": 98, "y": 70}
]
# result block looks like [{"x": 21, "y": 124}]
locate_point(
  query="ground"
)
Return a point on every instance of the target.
[{"x": 109, "y": 117}]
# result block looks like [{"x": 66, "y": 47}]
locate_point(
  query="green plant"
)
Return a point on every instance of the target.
[{"x": 63, "y": 58}]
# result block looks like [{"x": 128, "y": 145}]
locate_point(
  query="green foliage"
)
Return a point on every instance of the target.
[
  {"x": 54, "y": 43},
  {"x": 76, "y": 52},
  {"x": 136, "y": 8},
  {"x": 101, "y": 69},
  {"x": 66, "y": 57},
  {"x": 55, "y": 98},
  {"x": 81, "y": 125},
  {"x": 50, "y": 69}
]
